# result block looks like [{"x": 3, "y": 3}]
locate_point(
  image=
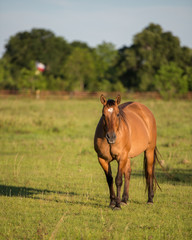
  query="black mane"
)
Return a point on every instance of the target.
[
  {"x": 122, "y": 114},
  {"x": 110, "y": 102}
]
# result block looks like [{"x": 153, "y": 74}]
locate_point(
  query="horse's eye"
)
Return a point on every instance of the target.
[{"x": 117, "y": 114}]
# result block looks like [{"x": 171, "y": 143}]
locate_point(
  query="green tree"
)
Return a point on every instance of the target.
[
  {"x": 170, "y": 81},
  {"x": 37, "y": 45},
  {"x": 106, "y": 57},
  {"x": 79, "y": 70},
  {"x": 6, "y": 80},
  {"x": 126, "y": 67},
  {"x": 154, "y": 48},
  {"x": 137, "y": 65},
  {"x": 76, "y": 66},
  {"x": 107, "y": 54},
  {"x": 79, "y": 44}
]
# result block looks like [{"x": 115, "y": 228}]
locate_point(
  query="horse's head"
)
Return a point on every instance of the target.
[{"x": 111, "y": 117}]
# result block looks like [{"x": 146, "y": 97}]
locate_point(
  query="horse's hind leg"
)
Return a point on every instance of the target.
[
  {"x": 149, "y": 162},
  {"x": 127, "y": 175}
]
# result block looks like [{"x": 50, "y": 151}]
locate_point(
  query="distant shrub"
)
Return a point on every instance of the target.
[{"x": 170, "y": 81}]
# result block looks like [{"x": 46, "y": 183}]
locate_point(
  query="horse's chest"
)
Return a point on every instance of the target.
[
  {"x": 103, "y": 149},
  {"x": 107, "y": 151},
  {"x": 115, "y": 151}
]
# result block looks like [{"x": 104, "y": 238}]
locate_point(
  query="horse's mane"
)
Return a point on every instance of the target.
[
  {"x": 110, "y": 103},
  {"x": 122, "y": 115}
]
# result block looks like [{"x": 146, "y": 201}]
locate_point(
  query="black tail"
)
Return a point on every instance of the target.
[{"x": 156, "y": 153}]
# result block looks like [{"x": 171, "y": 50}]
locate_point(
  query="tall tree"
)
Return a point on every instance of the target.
[
  {"x": 37, "y": 45},
  {"x": 106, "y": 55},
  {"x": 79, "y": 70},
  {"x": 151, "y": 49}
]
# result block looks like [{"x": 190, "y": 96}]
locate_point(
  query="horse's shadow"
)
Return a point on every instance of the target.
[
  {"x": 25, "y": 192},
  {"x": 14, "y": 191},
  {"x": 172, "y": 176}
]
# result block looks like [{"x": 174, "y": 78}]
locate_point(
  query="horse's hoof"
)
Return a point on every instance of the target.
[
  {"x": 111, "y": 206},
  {"x": 123, "y": 204},
  {"x": 116, "y": 208},
  {"x": 150, "y": 203}
]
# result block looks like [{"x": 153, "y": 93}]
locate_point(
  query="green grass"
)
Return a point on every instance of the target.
[{"x": 52, "y": 187}]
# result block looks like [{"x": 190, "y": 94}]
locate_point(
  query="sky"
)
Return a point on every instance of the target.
[{"x": 96, "y": 21}]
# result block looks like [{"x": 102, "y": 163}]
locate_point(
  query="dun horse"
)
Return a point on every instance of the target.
[{"x": 123, "y": 132}]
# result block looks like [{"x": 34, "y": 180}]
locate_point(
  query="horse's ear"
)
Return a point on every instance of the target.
[
  {"x": 118, "y": 99},
  {"x": 103, "y": 100}
]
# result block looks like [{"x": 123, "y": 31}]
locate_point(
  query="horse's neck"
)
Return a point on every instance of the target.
[{"x": 123, "y": 127}]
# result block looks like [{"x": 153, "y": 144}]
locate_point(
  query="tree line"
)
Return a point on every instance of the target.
[{"x": 154, "y": 62}]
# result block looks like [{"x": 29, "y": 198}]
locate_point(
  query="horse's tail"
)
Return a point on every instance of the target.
[{"x": 156, "y": 159}]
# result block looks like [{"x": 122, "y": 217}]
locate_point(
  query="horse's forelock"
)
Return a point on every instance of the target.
[{"x": 110, "y": 102}]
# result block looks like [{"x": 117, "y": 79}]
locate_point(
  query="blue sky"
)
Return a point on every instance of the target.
[{"x": 95, "y": 21}]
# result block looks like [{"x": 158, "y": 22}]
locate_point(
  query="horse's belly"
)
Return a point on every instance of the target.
[
  {"x": 139, "y": 142},
  {"x": 137, "y": 149},
  {"x": 142, "y": 128}
]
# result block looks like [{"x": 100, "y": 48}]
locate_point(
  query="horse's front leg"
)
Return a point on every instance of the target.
[
  {"x": 119, "y": 181},
  {"x": 127, "y": 175},
  {"x": 108, "y": 173}
]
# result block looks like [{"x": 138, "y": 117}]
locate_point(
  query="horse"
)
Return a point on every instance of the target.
[{"x": 124, "y": 131}]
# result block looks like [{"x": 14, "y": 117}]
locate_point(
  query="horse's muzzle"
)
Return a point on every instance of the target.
[{"x": 111, "y": 137}]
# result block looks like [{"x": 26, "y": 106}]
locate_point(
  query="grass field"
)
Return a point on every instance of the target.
[{"x": 52, "y": 187}]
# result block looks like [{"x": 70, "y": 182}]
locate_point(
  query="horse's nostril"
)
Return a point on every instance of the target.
[{"x": 111, "y": 137}]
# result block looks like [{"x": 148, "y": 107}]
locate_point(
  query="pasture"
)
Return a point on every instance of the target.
[{"x": 52, "y": 186}]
